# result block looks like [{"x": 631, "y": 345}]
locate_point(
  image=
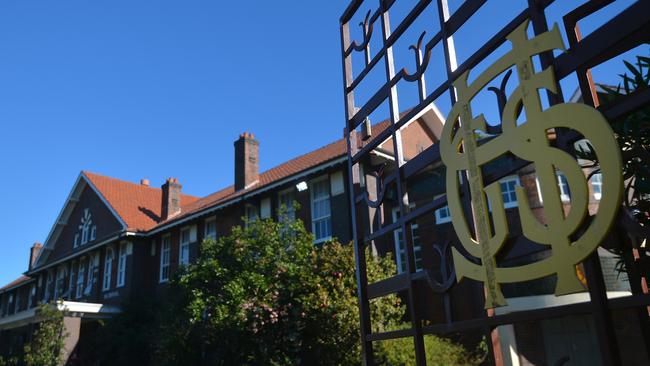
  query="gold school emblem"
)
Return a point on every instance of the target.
[{"x": 529, "y": 141}]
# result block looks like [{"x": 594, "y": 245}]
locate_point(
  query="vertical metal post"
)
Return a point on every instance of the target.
[
  {"x": 420, "y": 353},
  {"x": 608, "y": 346},
  {"x": 353, "y": 188}
]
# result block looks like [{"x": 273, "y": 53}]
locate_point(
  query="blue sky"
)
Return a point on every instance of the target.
[{"x": 156, "y": 89}]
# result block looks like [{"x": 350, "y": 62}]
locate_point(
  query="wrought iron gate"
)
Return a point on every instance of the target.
[{"x": 394, "y": 176}]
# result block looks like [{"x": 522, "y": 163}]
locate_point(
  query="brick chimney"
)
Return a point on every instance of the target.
[
  {"x": 171, "y": 199},
  {"x": 247, "y": 166},
  {"x": 34, "y": 251}
]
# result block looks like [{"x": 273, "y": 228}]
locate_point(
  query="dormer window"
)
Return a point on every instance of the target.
[
  {"x": 76, "y": 240},
  {"x": 93, "y": 232}
]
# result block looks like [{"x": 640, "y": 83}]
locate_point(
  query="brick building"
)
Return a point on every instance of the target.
[{"x": 113, "y": 239}]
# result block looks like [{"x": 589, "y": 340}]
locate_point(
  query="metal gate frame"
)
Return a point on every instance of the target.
[{"x": 622, "y": 32}]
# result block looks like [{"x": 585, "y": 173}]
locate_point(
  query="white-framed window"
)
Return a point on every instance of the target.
[
  {"x": 597, "y": 185},
  {"x": 108, "y": 269},
  {"x": 165, "y": 254},
  {"x": 93, "y": 232},
  {"x": 442, "y": 214},
  {"x": 265, "y": 208},
  {"x": 10, "y": 303},
  {"x": 59, "y": 284},
  {"x": 31, "y": 297},
  {"x": 72, "y": 280},
  {"x": 184, "y": 247},
  {"x": 285, "y": 201},
  {"x": 252, "y": 213},
  {"x": 86, "y": 223},
  {"x": 93, "y": 264},
  {"x": 321, "y": 219},
  {"x": 562, "y": 183},
  {"x": 17, "y": 305},
  {"x": 121, "y": 265},
  {"x": 210, "y": 228},
  {"x": 400, "y": 247},
  {"x": 76, "y": 240},
  {"x": 48, "y": 285},
  {"x": 81, "y": 274},
  {"x": 508, "y": 191}
]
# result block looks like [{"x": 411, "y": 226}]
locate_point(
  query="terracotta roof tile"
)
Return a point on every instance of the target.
[
  {"x": 137, "y": 205},
  {"x": 294, "y": 166},
  {"x": 15, "y": 282}
]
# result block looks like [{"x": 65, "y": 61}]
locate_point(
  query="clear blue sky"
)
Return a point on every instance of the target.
[{"x": 153, "y": 89}]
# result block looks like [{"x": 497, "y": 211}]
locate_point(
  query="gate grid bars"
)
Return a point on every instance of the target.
[{"x": 622, "y": 32}]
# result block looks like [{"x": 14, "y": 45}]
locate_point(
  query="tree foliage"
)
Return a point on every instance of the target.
[
  {"x": 632, "y": 133},
  {"x": 48, "y": 340},
  {"x": 266, "y": 295},
  {"x": 633, "y": 136}
]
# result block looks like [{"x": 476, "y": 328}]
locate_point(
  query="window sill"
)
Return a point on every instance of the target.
[{"x": 322, "y": 240}]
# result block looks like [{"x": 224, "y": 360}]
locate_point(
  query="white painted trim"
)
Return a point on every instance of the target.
[
  {"x": 160, "y": 260},
  {"x": 75, "y": 254},
  {"x": 244, "y": 197},
  {"x": 73, "y": 198},
  {"x": 322, "y": 178},
  {"x": 123, "y": 248},
  {"x": 515, "y": 178},
  {"x": 87, "y": 307},
  {"x": 525, "y": 303},
  {"x": 17, "y": 286},
  {"x": 77, "y": 309},
  {"x": 17, "y": 319},
  {"x": 59, "y": 219},
  {"x": 181, "y": 243},
  {"x": 106, "y": 280},
  {"x": 205, "y": 227}
]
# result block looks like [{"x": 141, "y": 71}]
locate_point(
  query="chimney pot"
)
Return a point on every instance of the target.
[
  {"x": 144, "y": 182},
  {"x": 246, "y": 161},
  {"x": 171, "y": 199}
]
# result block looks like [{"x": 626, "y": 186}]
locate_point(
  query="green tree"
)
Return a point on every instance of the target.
[
  {"x": 267, "y": 295},
  {"x": 632, "y": 133},
  {"x": 48, "y": 340}
]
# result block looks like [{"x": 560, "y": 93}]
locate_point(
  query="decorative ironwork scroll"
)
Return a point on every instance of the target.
[
  {"x": 528, "y": 140},
  {"x": 537, "y": 132}
]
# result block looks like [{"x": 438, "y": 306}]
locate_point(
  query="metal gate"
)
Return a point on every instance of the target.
[{"x": 428, "y": 290}]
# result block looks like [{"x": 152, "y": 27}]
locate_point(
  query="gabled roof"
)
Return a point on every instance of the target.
[
  {"x": 137, "y": 205},
  {"x": 18, "y": 281}
]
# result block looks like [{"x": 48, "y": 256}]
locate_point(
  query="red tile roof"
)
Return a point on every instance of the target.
[
  {"x": 294, "y": 166},
  {"x": 137, "y": 205},
  {"x": 15, "y": 282}
]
